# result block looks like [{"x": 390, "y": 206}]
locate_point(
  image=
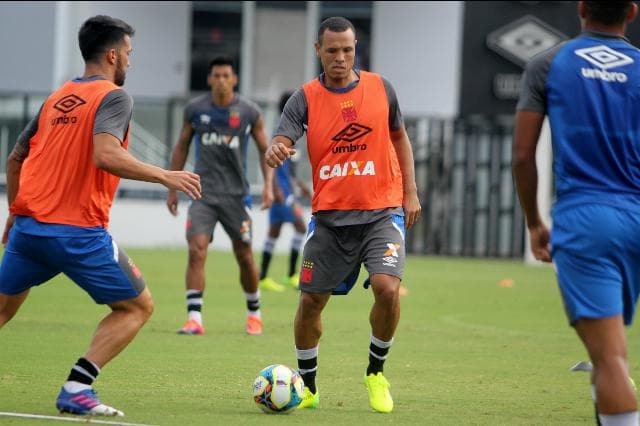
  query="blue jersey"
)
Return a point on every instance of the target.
[{"x": 590, "y": 89}]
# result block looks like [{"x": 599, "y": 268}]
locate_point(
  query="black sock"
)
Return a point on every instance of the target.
[
  {"x": 194, "y": 300},
  {"x": 84, "y": 372},
  {"x": 308, "y": 366},
  {"x": 293, "y": 261},
  {"x": 264, "y": 267},
  {"x": 378, "y": 351},
  {"x": 253, "y": 301}
]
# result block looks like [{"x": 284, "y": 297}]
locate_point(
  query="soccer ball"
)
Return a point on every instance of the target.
[{"x": 278, "y": 389}]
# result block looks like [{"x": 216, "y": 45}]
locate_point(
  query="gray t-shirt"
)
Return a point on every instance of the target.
[
  {"x": 112, "y": 116},
  {"x": 292, "y": 125},
  {"x": 221, "y": 139},
  {"x": 532, "y": 91}
]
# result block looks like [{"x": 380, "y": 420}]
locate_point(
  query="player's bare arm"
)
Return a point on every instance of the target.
[
  {"x": 178, "y": 160},
  {"x": 410, "y": 201},
  {"x": 14, "y": 166},
  {"x": 109, "y": 156},
  {"x": 267, "y": 173},
  {"x": 279, "y": 150},
  {"x": 525, "y": 174}
]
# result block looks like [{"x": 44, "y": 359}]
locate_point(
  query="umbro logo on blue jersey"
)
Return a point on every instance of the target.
[{"x": 604, "y": 58}]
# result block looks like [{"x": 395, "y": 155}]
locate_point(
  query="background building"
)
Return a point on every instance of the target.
[{"x": 456, "y": 67}]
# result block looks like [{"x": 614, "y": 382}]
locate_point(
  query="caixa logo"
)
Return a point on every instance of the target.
[
  {"x": 349, "y": 168},
  {"x": 214, "y": 138}
]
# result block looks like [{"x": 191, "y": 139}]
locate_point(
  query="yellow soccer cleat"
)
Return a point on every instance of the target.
[
  {"x": 310, "y": 400},
  {"x": 270, "y": 285},
  {"x": 293, "y": 280},
  {"x": 379, "y": 396}
]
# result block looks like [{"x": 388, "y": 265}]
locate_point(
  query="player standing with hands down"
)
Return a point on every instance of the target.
[
  {"x": 62, "y": 176},
  {"x": 590, "y": 89},
  {"x": 221, "y": 122},
  {"x": 364, "y": 197}
]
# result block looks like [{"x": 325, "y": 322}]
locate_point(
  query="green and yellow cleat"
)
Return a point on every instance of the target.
[
  {"x": 270, "y": 285},
  {"x": 379, "y": 396},
  {"x": 293, "y": 280},
  {"x": 310, "y": 400}
]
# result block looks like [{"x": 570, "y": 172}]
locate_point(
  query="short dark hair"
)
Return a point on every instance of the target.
[
  {"x": 221, "y": 60},
  {"x": 99, "y": 33},
  {"x": 336, "y": 24},
  {"x": 283, "y": 100},
  {"x": 608, "y": 12}
]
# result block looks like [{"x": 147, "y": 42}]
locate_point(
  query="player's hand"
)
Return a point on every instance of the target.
[
  {"x": 187, "y": 182},
  {"x": 7, "y": 228},
  {"x": 267, "y": 197},
  {"x": 539, "y": 239},
  {"x": 277, "y": 153},
  {"x": 412, "y": 209},
  {"x": 172, "y": 202}
]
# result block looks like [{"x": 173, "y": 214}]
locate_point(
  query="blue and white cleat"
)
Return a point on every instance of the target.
[{"x": 85, "y": 403}]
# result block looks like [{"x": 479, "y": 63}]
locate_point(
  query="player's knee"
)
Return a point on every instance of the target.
[
  {"x": 146, "y": 308},
  {"x": 610, "y": 361},
  {"x": 7, "y": 310},
  {"x": 387, "y": 289},
  {"x": 310, "y": 307},
  {"x": 197, "y": 254},
  {"x": 243, "y": 254},
  {"x": 6, "y": 315}
]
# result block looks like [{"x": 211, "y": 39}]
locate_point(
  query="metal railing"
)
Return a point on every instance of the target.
[{"x": 462, "y": 171}]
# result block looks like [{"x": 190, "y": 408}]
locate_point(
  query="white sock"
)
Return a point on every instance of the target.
[
  {"x": 75, "y": 387},
  {"x": 196, "y": 316},
  {"x": 623, "y": 419}
]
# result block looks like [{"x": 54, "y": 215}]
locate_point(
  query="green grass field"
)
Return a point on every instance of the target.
[{"x": 467, "y": 350}]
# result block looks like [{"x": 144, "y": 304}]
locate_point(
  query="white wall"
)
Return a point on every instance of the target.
[
  {"x": 417, "y": 46},
  {"x": 279, "y": 55},
  {"x": 41, "y": 58},
  {"x": 26, "y": 43},
  {"x": 148, "y": 224}
]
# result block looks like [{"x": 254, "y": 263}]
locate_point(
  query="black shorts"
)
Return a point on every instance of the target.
[
  {"x": 332, "y": 253},
  {"x": 232, "y": 212}
]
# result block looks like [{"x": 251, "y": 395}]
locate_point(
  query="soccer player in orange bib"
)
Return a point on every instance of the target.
[
  {"x": 365, "y": 197},
  {"x": 62, "y": 176}
]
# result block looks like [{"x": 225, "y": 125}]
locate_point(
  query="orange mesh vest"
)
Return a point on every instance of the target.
[
  {"x": 59, "y": 182},
  {"x": 353, "y": 161}
]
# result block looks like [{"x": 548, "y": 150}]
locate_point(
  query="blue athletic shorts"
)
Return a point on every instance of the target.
[
  {"x": 282, "y": 213},
  {"x": 93, "y": 262},
  {"x": 596, "y": 252}
]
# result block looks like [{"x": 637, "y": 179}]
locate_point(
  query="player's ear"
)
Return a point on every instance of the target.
[
  {"x": 111, "y": 55},
  {"x": 633, "y": 12},
  {"x": 317, "y": 46}
]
